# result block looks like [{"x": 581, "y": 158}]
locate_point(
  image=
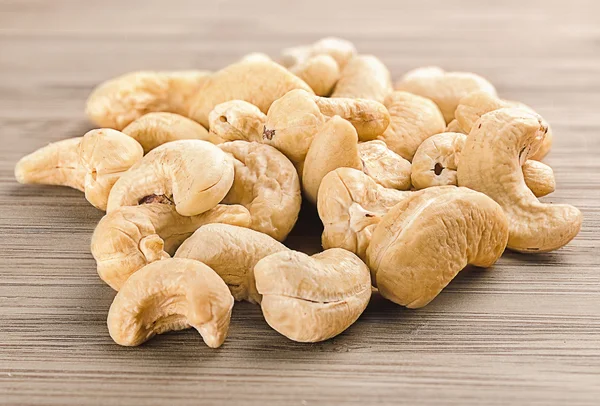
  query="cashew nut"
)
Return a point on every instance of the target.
[
  {"x": 117, "y": 102},
  {"x": 310, "y": 299},
  {"x": 267, "y": 184},
  {"x": 386, "y": 167},
  {"x": 130, "y": 237},
  {"x": 320, "y": 72},
  {"x": 154, "y": 129},
  {"x": 454, "y": 127},
  {"x": 169, "y": 295},
  {"x": 339, "y": 49},
  {"x": 422, "y": 243},
  {"x": 444, "y": 88},
  {"x": 490, "y": 163},
  {"x": 413, "y": 120},
  {"x": 237, "y": 120},
  {"x": 364, "y": 77},
  {"x": 538, "y": 177},
  {"x": 194, "y": 174},
  {"x": 232, "y": 253},
  {"x": 259, "y": 82},
  {"x": 293, "y": 120},
  {"x": 91, "y": 163}
]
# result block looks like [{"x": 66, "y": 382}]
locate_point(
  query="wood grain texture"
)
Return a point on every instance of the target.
[{"x": 525, "y": 332}]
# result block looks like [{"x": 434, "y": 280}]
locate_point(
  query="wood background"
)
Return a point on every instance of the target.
[{"x": 525, "y": 332}]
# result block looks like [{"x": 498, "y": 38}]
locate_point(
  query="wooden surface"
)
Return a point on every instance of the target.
[{"x": 525, "y": 332}]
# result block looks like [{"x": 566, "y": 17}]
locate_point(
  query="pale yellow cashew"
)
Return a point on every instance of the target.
[
  {"x": 237, "y": 120},
  {"x": 320, "y": 72},
  {"x": 339, "y": 49},
  {"x": 384, "y": 166},
  {"x": 364, "y": 77}
]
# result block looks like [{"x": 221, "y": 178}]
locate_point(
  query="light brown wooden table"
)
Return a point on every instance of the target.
[{"x": 525, "y": 332}]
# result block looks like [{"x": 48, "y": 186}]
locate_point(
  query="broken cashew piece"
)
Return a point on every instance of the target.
[
  {"x": 320, "y": 72},
  {"x": 422, "y": 243},
  {"x": 237, "y": 120},
  {"x": 384, "y": 166},
  {"x": 538, "y": 177},
  {"x": 119, "y": 101},
  {"x": 232, "y": 253},
  {"x": 130, "y": 237},
  {"x": 266, "y": 183},
  {"x": 170, "y": 295},
  {"x": 490, "y": 163},
  {"x": 154, "y": 129},
  {"x": 364, "y": 77},
  {"x": 91, "y": 163},
  {"x": 312, "y": 298},
  {"x": 194, "y": 174},
  {"x": 339, "y": 49}
]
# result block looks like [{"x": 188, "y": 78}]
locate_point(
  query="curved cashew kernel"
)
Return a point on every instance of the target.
[
  {"x": 444, "y": 88},
  {"x": 195, "y": 174},
  {"x": 386, "y": 167},
  {"x": 339, "y": 49},
  {"x": 474, "y": 105},
  {"x": 237, "y": 120},
  {"x": 267, "y": 184},
  {"x": 91, "y": 163},
  {"x": 154, "y": 129},
  {"x": 169, "y": 295},
  {"x": 232, "y": 253},
  {"x": 422, "y": 243},
  {"x": 364, "y": 77},
  {"x": 436, "y": 161},
  {"x": 413, "y": 120},
  {"x": 258, "y": 82},
  {"x": 490, "y": 163},
  {"x": 350, "y": 205},
  {"x": 294, "y": 119},
  {"x": 117, "y": 102},
  {"x": 310, "y": 299},
  {"x": 320, "y": 72},
  {"x": 130, "y": 237}
]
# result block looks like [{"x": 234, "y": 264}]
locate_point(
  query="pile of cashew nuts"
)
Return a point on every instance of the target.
[{"x": 202, "y": 175}]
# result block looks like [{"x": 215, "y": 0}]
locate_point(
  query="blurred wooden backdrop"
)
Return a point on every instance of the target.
[{"x": 525, "y": 332}]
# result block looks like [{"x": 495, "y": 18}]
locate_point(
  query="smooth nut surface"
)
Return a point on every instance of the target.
[
  {"x": 237, "y": 120},
  {"x": 320, "y": 72},
  {"x": 364, "y": 77}
]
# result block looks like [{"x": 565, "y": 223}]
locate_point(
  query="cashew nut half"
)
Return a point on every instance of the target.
[
  {"x": 339, "y": 49},
  {"x": 169, "y": 295},
  {"x": 91, "y": 163},
  {"x": 364, "y": 77},
  {"x": 117, "y": 102},
  {"x": 232, "y": 253},
  {"x": 444, "y": 88},
  {"x": 310, "y": 299},
  {"x": 237, "y": 120},
  {"x": 422, "y": 243},
  {"x": 267, "y": 184},
  {"x": 490, "y": 163},
  {"x": 195, "y": 174},
  {"x": 320, "y": 72},
  {"x": 130, "y": 237}
]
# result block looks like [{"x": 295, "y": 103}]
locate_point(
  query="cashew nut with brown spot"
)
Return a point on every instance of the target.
[
  {"x": 237, "y": 120},
  {"x": 339, "y": 49},
  {"x": 320, "y": 72},
  {"x": 364, "y": 77}
]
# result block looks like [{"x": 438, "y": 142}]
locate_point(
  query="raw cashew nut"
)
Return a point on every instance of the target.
[
  {"x": 259, "y": 82},
  {"x": 310, "y": 299},
  {"x": 232, "y": 253},
  {"x": 474, "y": 105},
  {"x": 91, "y": 163},
  {"x": 130, "y": 237},
  {"x": 154, "y": 129},
  {"x": 436, "y": 161},
  {"x": 294, "y": 119},
  {"x": 413, "y": 120},
  {"x": 117, "y": 102},
  {"x": 490, "y": 163},
  {"x": 194, "y": 174},
  {"x": 350, "y": 205},
  {"x": 267, "y": 184},
  {"x": 382, "y": 164},
  {"x": 237, "y": 120},
  {"x": 444, "y": 88},
  {"x": 339, "y": 49},
  {"x": 422, "y": 243},
  {"x": 171, "y": 295},
  {"x": 320, "y": 72},
  {"x": 364, "y": 77}
]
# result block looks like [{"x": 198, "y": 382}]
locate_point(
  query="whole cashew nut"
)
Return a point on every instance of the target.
[
  {"x": 130, "y": 237},
  {"x": 117, "y": 102},
  {"x": 194, "y": 174},
  {"x": 154, "y": 129},
  {"x": 364, "y": 77},
  {"x": 169, "y": 295},
  {"x": 422, "y": 243},
  {"x": 312, "y": 298},
  {"x": 237, "y": 120},
  {"x": 444, "y": 88},
  {"x": 320, "y": 72},
  {"x": 339, "y": 49},
  {"x": 490, "y": 163},
  {"x": 267, "y": 184},
  {"x": 91, "y": 163},
  {"x": 232, "y": 253}
]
